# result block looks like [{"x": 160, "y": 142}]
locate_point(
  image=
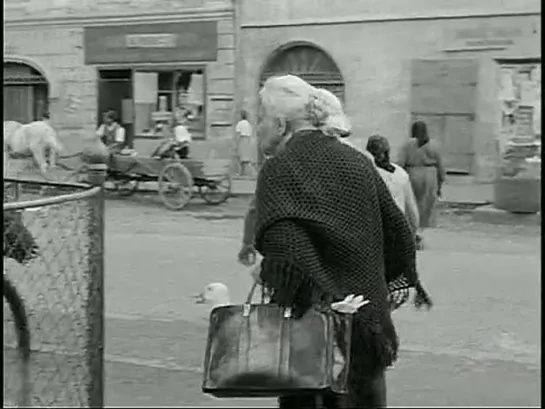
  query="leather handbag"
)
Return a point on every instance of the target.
[{"x": 261, "y": 350}]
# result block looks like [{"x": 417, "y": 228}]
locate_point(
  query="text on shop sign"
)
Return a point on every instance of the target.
[{"x": 150, "y": 40}]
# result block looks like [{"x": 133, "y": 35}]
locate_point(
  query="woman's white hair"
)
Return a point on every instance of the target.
[
  {"x": 287, "y": 97},
  {"x": 291, "y": 99},
  {"x": 336, "y": 122}
]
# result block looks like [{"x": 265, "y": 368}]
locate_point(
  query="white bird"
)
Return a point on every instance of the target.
[{"x": 215, "y": 295}]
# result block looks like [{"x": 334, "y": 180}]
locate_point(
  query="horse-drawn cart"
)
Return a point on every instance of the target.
[{"x": 177, "y": 179}]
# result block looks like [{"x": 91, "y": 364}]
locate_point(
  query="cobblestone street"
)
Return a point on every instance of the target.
[{"x": 479, "y": 346}]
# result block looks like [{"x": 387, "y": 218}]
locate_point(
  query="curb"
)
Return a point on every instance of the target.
[
  {"x": 462, "y": 207},
  {"x": 491, "y": 215},
  {"x": 465, "y": 207}
]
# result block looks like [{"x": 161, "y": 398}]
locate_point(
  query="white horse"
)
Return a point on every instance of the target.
[{"x": 36, "y": 140}]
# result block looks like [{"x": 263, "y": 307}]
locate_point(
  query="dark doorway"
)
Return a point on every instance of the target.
[{"x": 115, "y": 92}]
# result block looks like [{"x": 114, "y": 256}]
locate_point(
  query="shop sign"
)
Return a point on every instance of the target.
[
  {"x": 483, "y": 38},
  {"x": 151, "y": 43}
]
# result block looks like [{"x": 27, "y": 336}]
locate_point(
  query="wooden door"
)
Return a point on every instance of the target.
[
  {"x": 41, "y": 102},
  {"x": 18, "y": 103},
  {"x": 443, "y": 94},
  {"x": 458, "y": 136}
]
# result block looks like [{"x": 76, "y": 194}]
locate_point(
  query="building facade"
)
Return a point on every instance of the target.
[
  {"x": 151, "y": 61},
  {"x": 394, "y": 61}
]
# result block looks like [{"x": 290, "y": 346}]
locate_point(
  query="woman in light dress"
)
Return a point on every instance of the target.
[
  {"x": 421, "y": 158},
  {"x": 396, "y": 179},
  {"x": 244, "y": 146}
]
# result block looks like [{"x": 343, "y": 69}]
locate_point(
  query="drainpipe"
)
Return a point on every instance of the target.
[{"x": 239, "y": 61}]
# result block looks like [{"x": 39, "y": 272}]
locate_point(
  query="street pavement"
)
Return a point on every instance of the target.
[{"x": 479, "y": 346}]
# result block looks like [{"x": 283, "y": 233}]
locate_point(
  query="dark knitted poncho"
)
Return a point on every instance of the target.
[{"x": 328, "y": 227}]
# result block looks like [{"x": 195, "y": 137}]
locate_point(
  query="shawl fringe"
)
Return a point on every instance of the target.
[{"x": 374, "y": 339}]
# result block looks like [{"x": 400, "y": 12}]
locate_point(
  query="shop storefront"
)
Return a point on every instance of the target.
[
  {"x": 155, "y": 76},
  {"x": 149, "y": 62}
]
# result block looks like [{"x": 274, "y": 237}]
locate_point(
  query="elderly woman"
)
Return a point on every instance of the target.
[
  {"x": 327, "y": 226},
  {"x": 421, "y": 158},
  {"x": 338, "y": 125}
]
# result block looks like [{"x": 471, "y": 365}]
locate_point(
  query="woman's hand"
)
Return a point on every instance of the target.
[
  {"x": 421, "y": 298},
  {"x": 247, "y": 255},
  {"x": 350, "y": 305}
]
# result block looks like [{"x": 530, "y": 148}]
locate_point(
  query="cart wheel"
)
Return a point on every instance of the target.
[
  {"x": 175, "y": 186},
  {"x": 216, "y": 192},
  {"x": 126, "y": 188}
]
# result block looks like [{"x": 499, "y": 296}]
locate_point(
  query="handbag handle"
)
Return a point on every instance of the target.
[
  {"x": 247, "y": 305},
  {"x": 244, "y": 341},
  {"x": 250, "y": 296}
]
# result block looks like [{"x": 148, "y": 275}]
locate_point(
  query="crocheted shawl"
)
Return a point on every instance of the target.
[{"x": 328, "y": 227}]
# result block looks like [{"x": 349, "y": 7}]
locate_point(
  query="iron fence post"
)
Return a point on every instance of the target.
[{"x": 95, "y": 299}]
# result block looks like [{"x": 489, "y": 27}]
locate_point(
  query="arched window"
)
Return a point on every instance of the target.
[
  {"x": 308, "y": 62},
  {"x": 25, "y": 93}
]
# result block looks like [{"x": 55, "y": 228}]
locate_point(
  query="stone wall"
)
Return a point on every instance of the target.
[
  {"x": 58, "y": 51},
  {"x": 40, "y": 10},
  {"x": 373, "y": 43},
  {"x": 285, "y": 11}
]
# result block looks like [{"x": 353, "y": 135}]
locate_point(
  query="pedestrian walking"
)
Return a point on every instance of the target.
[
  {"x": 338, "y": 125},
  {"x": 396, "y": 179},
  {"x": 327, "y": 227},
  {"x": 421, "y": 158},
  {"x": 244, "y": 146}
]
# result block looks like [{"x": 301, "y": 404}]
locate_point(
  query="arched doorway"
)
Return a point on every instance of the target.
[
  {"x": 308, "y": 62},
  {"x": 25, "y": 93}
]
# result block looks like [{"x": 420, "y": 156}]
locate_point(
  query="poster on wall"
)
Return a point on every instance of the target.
[
  {"x": 520, "y": 98},
  {"x": 519, "y": 141}
]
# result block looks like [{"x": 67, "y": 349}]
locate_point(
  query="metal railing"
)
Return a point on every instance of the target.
[{"x": 62, "y": 287}]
